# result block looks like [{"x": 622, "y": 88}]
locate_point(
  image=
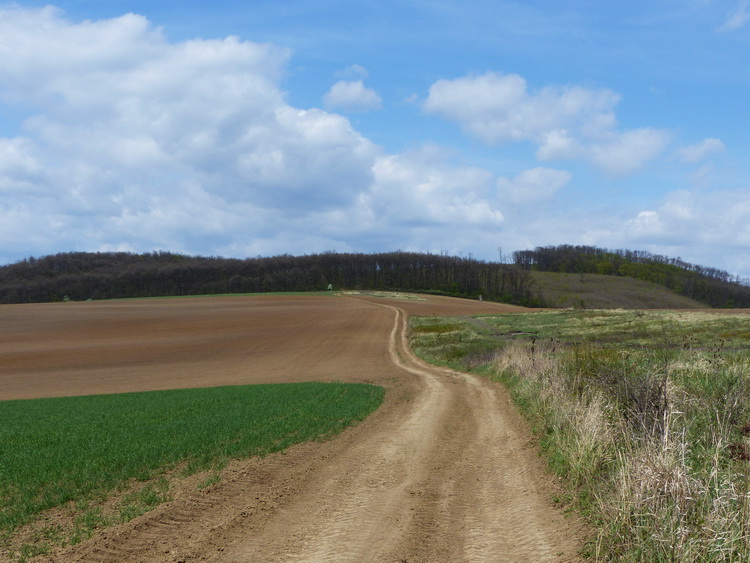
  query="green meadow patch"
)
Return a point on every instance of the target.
[{"x": 72, "y": 450}]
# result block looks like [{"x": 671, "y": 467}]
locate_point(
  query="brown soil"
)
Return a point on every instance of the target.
[{"x": 443, "y": 471}]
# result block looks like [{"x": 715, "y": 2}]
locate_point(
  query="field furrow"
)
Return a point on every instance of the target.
[{"x": 443, "y": 471}]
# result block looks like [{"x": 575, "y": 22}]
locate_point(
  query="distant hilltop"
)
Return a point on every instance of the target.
[{"x": 713, "y": 287}]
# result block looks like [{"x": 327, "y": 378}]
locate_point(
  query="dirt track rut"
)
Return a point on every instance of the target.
[{"x": 442, "y": 472}]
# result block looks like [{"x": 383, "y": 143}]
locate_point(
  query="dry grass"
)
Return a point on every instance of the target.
[
  {"x": 658, "y": 477},
  {"x": 593, "y": 291},
  {"x": 645, "y": 416}
]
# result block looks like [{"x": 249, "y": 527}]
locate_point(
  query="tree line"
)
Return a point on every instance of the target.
[
  {"x": 711, "y": 286},
  {"x": 110, "y": 275}
]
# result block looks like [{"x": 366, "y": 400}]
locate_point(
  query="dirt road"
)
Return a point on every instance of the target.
[{"x": 443, "y": 471}]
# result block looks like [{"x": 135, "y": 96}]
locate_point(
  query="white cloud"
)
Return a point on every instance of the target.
[
  {"x": 533, "y": 185},
  {"x": 498, "y": 107},
  {"x": 564, "y": 122},
  {"x": 627, "y": 152},
  {"x": 693, "y": 224},
  {"x": 558, "y": 144},
  {"x": 647, "y": 225},
  {"x": 418, "y": 201},
  {"x": 352, "y": 96},
  {"x": 418, "y": 189},
  {"x": 701, "y": 151},
  {"x": 133, "y": 142},
  {"x": 139, "y": 142},
  {"x": 20, "y": 171},
  {"x": 737, "y": 18}
]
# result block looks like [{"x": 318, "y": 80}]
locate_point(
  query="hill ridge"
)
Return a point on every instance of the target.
[{"x": 80, "y": 276}]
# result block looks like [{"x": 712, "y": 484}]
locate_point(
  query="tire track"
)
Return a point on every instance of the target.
[
  {"x": 490, "y": 499},
  {"x": 441, "y": 472},
  {"x": 364, "y": 503}
]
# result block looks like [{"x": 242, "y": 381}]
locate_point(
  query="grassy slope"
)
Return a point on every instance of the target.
[{"x": 592, "y": 291}]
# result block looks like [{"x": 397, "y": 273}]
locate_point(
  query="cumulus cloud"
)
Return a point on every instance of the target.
[
  {"x": 564, "y": 122},
  {"x": 418, "y": 201},
  {"x": 130, "y": 141},
  {"x": 20, "y": 171},
  {"x": 132, "y": 137},
  {"x": 558, "y": 144},
  {"x": 711, "y": 228},
  {"x": 737, "y": 18},
  {"x": 627, "y": 152},
  {"x": 418, "y": 188},
  {"x": 647, "y": 225},
  {"x": 133, "y": 142},
  {"x": 497, "y": 107},
  {"x": 352, "y": 96},
  {"x": 532, "y": 185},
  {"x": 701, "y": 151},
  {"x": 694, "y": 224}
]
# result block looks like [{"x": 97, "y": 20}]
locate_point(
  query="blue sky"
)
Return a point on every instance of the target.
[{"x": 267, "y": 127}]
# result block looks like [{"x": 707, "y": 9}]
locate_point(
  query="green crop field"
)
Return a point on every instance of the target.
[
  {"x": 59, "y": 451},
  {"x": 644, "y": 416}
]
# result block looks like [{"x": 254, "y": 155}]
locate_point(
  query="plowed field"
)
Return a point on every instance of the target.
[{"x": 443, "y": 471}]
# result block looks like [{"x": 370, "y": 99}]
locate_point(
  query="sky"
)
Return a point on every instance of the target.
[{"x": 472, "y": 128}]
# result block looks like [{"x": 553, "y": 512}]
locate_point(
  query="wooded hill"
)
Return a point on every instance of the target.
[
  {"x": 108, "y": 275},
  {"x": 711, "y": 286},
  {"x": 81, "y": 275}
]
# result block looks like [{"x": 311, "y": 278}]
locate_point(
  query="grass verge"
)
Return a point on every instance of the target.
[
  {"x": 645, "y": 417},
  {"x": 75, "y": 450}
]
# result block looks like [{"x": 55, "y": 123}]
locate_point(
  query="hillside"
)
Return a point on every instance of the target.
[
  {"x": 542, "y": 277},
  {"x": 596, "y": 291},
  {"x": 79, "y": 276},
  {"x": 711, "y": 286}
]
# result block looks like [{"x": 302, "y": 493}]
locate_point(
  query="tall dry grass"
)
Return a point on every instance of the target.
[{"x": 653, "y": 444}]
